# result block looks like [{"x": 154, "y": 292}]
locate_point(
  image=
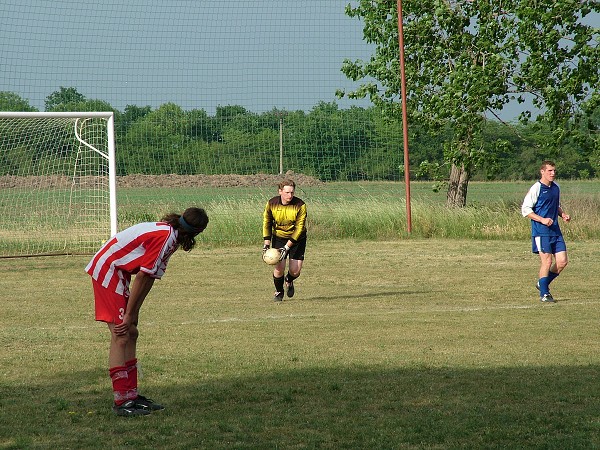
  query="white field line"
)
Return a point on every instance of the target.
[
  {"x": 292, "y": 316},
  {"x": 377, "y": 313}
]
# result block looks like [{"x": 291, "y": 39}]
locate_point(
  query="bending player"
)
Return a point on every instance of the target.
[{"x": 144, "y": 250}]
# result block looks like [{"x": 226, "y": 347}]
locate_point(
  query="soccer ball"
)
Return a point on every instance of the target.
[{"x": 271, "y": 256}]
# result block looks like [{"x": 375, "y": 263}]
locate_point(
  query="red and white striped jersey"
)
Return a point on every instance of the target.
[{"x": 145, "y": 246}]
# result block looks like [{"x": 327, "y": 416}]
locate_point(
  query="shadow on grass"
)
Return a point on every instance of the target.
[{"x": 334, "y": 408}]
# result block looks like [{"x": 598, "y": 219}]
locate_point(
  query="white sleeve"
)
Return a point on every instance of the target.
[{"x": 530, "y": 200}]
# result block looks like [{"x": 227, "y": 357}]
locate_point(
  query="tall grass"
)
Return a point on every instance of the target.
[{"x": 376, "y": 211}]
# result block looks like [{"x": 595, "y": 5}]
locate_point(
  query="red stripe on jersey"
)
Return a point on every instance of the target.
[{"x": 146, "y": 247}]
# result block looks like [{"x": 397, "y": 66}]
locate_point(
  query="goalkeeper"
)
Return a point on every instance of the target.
[
  {"x": 144, "y": 250},
  {"x": 284, "y": 228}
]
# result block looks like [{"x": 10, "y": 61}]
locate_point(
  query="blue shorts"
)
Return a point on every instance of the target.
[{"x": 548, "y": 244}]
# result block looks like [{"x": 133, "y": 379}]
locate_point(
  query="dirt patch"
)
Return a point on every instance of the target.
[
  {"x": 159, "y": 181},
  {"x": 261, "y": 179}
]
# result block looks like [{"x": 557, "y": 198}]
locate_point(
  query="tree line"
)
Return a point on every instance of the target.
[{"x": 327, "y": 142}]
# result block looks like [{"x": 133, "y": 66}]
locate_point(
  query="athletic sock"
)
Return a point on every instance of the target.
[
  {"x": 119, "y": 377},
  {"x": 544, "y": 289},
  {"x": 289, "y": 277},
  {"x": 551, "y": 277},
  {"x": 278, "y": 282},
  {"x": 132, "y": 378}
]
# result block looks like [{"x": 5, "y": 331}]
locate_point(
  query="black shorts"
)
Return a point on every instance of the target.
[{"x": 297, "y": 250}]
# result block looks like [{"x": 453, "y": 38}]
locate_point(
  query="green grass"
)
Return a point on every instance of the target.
[
  {"x": 398, "y": 344},
  {"x": 368, "y": 211},
  {"x": 373, "y": 211}
]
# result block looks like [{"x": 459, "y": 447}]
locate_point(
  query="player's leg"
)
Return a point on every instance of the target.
[
  {"x": 559, "y": 249},
  {"x": 545, "y": 264},
  {"x": 279, "y": 270},
  {"x": 126, "y": 351},
  {"x": 117, "y": 352},
  {"x": 122, "y": 347},
  {"x": 560, "y": 262},
  {"x": 122, "y": 364},
  {"x": 560, "y": 257},
  {"x": 122, "y": 372},
  {"x": 294, "y": 270},
  {"x": 278, "y": 280},
  {"x": 109, "y": 307},
  {"x": 295, "y": 266},
  {"x": 542, "y": 246},
  {"x": 131, "y": 361},
  {"x": 141, "y": 402}
]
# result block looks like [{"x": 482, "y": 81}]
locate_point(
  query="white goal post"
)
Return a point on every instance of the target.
[{"x": 57, "y": 182}]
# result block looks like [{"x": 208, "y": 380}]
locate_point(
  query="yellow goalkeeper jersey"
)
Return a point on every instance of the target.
[{"x": 285, "y": 221}]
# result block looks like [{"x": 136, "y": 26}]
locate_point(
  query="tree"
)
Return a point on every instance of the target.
[
  {"x": 9, "y": 101},
  {"x": 131, "y": 114},
  {"x": 466, "y": 58},
  {"x": 63, "y": 96},
  {"x": 86, "y": 105}
]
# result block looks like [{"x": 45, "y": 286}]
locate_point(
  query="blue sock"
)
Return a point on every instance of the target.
[
  {"x": 551, "y": 276},
  {"x": 544, "y": 289}
]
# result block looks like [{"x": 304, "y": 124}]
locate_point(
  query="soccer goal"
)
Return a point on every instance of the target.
[{"x": 57, "y": 182}]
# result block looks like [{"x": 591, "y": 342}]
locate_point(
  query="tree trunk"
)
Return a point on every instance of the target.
[{"x": 457, "y": 187}]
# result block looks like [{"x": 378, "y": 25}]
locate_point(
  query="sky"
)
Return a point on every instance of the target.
[{"x": 199, "y": 54}]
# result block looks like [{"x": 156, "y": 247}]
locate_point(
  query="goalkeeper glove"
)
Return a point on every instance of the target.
[{"x": 283, "y": 252}]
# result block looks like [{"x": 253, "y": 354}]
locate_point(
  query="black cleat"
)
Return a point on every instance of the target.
[
  {"x": 130, "y": 409},
  {"x": 278, "y": 297},
  {"x": 547, "y": 298},
  {"x": 290, "y": 288},
  {"x": 146, "y": 403}
]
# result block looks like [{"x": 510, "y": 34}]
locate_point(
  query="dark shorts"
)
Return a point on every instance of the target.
[
  {"x": 548, "y": 244},
  {"x": 297, "y": 250}
]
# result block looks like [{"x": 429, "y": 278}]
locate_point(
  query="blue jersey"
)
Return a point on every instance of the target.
[{"x": 545, "y": 202}]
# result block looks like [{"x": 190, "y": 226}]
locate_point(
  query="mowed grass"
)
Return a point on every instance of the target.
[{"x": 401, "y": 344}]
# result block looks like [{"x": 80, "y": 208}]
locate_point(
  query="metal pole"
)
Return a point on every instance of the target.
[
  {"x": 404, "y": 118},
  {"x": 112, "y": 174},
  {"x": 281, "y": 146}
]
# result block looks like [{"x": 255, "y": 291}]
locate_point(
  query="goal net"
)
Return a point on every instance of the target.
[{"x": 57, "y": 182}]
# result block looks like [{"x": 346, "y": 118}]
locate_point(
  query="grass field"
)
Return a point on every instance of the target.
[{"x": 398, "y": 344}]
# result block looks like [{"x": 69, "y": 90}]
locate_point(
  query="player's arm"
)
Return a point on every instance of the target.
[
  {"x": 530, "y": 200},
  {"x": 543, "y": 220},
  {"x": 529, "y": 203},
  {"x": 564, "y": 216},
  {"x": 300, "y": 226},
  {"x": 139, "y": 290},
  {"x": 267, "y": 228}
]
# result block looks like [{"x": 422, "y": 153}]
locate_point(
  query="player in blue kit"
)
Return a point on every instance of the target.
[{"x": 542, "y": 206}]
